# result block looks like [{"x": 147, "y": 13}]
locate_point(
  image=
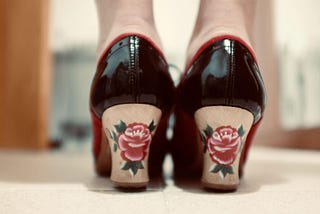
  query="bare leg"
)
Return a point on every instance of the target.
[
  {"x": 221, "y": 17},
  {"x": 117, "y": 17}
]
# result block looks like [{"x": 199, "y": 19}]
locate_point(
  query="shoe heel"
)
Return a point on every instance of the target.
[
  {"x": 223, "y": 130},
  {"x": 129, "y": 129}
]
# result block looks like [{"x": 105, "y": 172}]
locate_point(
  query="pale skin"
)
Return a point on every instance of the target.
[
  {"x": 117, "y": 17},
  {"x": 215, "y": 18}
]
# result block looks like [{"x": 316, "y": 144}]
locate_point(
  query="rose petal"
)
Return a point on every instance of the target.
[
  {"x": 235, "y": 142},
  {"x": 136, "y": 154},
  {"x": 223, "y": 161},
  {"x": 210, "y": 145},
  {"x": 136, "y": 145},
  {"x": 147, "y": 139},
  {"x": 123, "y": 143},
  {"x": 216, "y": 136},
  {"x": 221, "y": 149},
  {"x": 123, "y": 156}
]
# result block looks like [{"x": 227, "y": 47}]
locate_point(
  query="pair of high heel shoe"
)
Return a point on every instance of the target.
[{"x": 217, "y": 106}]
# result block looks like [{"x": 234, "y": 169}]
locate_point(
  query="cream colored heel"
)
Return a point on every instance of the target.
[
  {"x": 223, "y": 132},
  {"x": 129, "y": 129}
]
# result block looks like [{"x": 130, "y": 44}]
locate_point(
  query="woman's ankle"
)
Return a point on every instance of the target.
[
  {"x": 222, "y": 17},
  {"x": 207, "y": 34},
  {"x": 125, "y": 25},
  {"x": 125, "y": 17}
]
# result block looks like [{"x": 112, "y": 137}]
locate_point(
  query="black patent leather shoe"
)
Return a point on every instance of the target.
[
  {"x": 131, "y": 97},
  {"x": 220, "y": 102}
]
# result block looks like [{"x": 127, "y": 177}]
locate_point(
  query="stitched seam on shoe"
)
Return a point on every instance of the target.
[
  {"x": 232, "y": 73},
  {"x": 226, "y": 95},
  {"x": 132, "y": 75},
  {"x": 137, "y": 69}
]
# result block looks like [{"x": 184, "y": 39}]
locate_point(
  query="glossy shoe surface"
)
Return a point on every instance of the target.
[
  {"x": 131, "y": 97},
  {"x": 223, "y": 95}
]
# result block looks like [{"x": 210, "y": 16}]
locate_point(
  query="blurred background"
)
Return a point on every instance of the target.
[{"x": 47, "y": 61}]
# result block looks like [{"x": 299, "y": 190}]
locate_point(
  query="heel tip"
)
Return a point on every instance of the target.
[
  {"x": 219, "y": 187},
  {"x": 127, "y": 185}
]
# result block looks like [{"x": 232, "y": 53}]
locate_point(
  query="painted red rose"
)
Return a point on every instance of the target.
[
  {"x": 224, "y": 144},
  {"x": 134, "y": 142}
]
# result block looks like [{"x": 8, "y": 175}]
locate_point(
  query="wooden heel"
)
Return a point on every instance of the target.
[
  {"x": 223, "y": 132},
  {"x": 129, "y": 129}
]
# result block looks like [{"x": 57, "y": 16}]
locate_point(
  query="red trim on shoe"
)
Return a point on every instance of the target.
[
  {"x": 247, "y": 145},
  {"x": 126, "y": 35},
  {"x": 213, "y": 40},
  {"x": 97, "y": 134}
]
